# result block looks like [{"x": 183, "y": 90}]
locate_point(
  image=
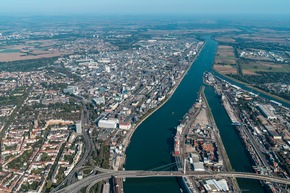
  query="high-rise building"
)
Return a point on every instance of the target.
[{"x": 79, "y": 127}]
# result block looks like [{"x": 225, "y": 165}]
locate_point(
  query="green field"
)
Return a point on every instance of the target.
[
  {"x": 33, "y": 43},
  {"x": 265, "y": 67},
  {"x": 225, "y": 55},
  {"x": 8, "y": 51}
]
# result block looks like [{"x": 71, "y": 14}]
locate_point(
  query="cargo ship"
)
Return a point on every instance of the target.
[{"x": 183, "y": 181}]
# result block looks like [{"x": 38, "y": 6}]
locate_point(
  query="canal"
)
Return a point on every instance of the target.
[
  {"x": 243, "y": 86},
  {"x": 152, "y": 142},
  {"x": 237, "y": 153}
]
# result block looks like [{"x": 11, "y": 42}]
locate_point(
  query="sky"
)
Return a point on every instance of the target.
[{"x": 113, "y": 7}]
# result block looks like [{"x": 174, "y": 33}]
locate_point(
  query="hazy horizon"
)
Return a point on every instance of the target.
[{"x": 149, "y": 7}]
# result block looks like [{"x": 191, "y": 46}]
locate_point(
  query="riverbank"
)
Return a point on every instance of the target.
[
  {"x": 236, "y": 151},
  {"x": 152, "y": 143},
  {"x": 199, "y": 117},
  {"x": 252, "y": 87},
  {"x": 129, "y": 135},
  {"x": 220, "y": 145}
]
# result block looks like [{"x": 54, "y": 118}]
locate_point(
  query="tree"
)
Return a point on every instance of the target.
[{"x": 48, "y": 185}]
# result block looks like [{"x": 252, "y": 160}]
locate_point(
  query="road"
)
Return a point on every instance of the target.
[
  {"x": 253, "y": 141},
  {"x": 245, "y": 129},
  {"x": 91, "y": 180},
  {"x": 71, "y": 177}
]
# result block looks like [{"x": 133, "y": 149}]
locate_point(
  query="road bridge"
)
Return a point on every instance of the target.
[{"x": 91, "y": 180}]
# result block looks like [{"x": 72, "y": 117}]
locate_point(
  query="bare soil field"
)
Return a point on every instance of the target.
[
  {"x": 30, "y": 50},
  {"x": 7, "y": 57},
  {"x": 225, "y": 69}
]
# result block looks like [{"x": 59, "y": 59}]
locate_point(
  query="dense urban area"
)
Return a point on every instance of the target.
[{"x": 71, "y": 97}]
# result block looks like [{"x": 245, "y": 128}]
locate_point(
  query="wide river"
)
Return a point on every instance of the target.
[{"x": 152, "y": 142}]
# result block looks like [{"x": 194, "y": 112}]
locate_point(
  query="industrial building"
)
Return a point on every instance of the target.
[
  {"x": 267, "y": 111},
  {"x": 216, "y": 186},
  {"x": 108, "y": 123},
  {"x": 272, "y": 132},
  {"x": 198, "y": 166}
]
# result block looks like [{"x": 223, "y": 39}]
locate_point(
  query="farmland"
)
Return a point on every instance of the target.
[
  {"x": 225, "y": 61},
  {"x": 31, "y": 50},
  {"x": 251, "y": 68}
]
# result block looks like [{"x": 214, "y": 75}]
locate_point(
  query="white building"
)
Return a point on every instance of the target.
[
  {"x": 268, "y": 111},
  {"x": 108, "y": 69},
  {"x": 179, "y": 128},
  {"x": 198, "y": 166},
  {"x": 71, "y": 90},
  {"x": 99, "y": 100},
  {"x": 114, "y": 106},
  {"x": 79, "y": 127},
  {"x": 108, "y": 123},
  {"x": 161, "y": 98},
  {"x": 216, "y": 186}
]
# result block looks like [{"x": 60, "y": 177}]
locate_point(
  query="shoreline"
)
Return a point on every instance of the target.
[
  {"x": 221, "y": 147},
  {"x": 131, "y": 132}
]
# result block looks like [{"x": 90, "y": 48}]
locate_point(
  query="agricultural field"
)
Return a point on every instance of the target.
[
  {"x": 225, "y": 55},
  {"x": 226, "y": 39},
  {"x": 30, "y": 50},
  {"x": 225, "y": 69},
  {"x": 225, "y": 60},
  {"x": 251, "y": 68},
  {"x": 8, "y": 57}
]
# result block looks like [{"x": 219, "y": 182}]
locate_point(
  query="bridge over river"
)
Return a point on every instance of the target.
[{"x": 93, "y": 179}]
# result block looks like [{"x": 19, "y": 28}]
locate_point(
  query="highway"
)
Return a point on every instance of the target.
[
  {"x": 87, "y": 151},
  {"x": 91, "y": 180},
  {"x": 71, "y": 177},
  {"x": 72, "y": 185}
]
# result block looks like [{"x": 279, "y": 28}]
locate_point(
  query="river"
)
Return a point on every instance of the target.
[
  {"x": 243, "y": 86},
  {"x": 236, "y": 151},
  {"x": 152, "y": 142}
]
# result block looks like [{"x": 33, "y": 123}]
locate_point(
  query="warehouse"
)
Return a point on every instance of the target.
[
  {"x": 108, "y": 123},
  {"x": 267, "y": 111}
]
